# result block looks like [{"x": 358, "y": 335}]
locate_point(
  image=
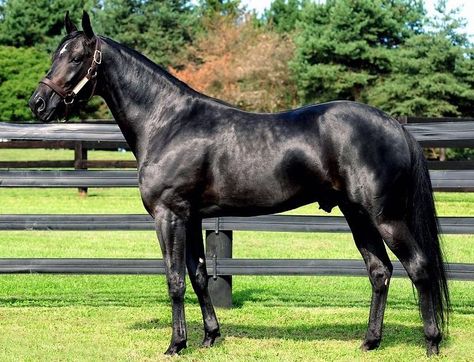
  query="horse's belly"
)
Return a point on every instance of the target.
[{"x": 261, "y": 193}]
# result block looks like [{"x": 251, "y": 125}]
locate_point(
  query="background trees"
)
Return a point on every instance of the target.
[
  {"x": 345, "y": 46},
  {"x": 431, "y": 74},
  {"x": 159, "y": 29},
  {"x": 240, "y": 62},
  {"x": 387, "y": 53},
  {"x": 18, "y": 82},
  {"x": 37, "y": 23}
]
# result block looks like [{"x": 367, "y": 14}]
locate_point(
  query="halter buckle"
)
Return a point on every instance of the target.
[
  {"x": 97, "y": 56},
  {"x": 69, "y": 99}
]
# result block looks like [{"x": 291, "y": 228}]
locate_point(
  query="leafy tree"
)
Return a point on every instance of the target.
[
  {"x": 433, "y": 72},
  {"x": 211, "y": 8},
  {"x": 159, "y": 29},
  {"x": 283, "y": 15},
  {"x": 345, "y": 45},
  {"x": 431, "y": 77},
  {"x": 241, "y": 63},
  {"x": 37, "y": 23},
  {"x": 20, "y": 71}
]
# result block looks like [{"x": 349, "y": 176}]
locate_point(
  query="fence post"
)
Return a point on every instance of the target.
[
  {"x": 80, "y": 160},
  {"x": 219, "y": 245}
]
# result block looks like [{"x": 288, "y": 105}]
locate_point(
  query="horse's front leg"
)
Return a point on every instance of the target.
[{"x": 171, "y": 230}]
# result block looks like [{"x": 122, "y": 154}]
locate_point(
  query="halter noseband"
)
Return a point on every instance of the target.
[{"x": 69, "y": 97}]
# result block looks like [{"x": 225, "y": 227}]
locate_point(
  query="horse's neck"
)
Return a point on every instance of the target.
[{"x": 136, "y": 93}]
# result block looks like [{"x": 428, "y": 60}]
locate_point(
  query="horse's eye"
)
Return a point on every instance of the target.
[{"x": 77, "y": 59}]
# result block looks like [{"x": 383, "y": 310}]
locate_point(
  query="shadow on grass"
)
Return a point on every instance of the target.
[{"x": 394, "y": 333}]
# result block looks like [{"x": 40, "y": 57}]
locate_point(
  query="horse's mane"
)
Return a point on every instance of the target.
[{"x": 162, "y": 72}]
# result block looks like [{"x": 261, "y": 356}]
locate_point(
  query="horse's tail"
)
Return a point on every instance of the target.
[{"x": 423, "y": 223}]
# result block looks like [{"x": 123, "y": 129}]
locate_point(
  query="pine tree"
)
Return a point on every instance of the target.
[
  {"x": 345, "y": 45},
  {"x": 159, "y": 29},
  {"x": 20, "y": 70},
  {"x": 38, "y": 23},
  {"x": 433, "y": 72},
  {"x": 284, "y": 15}
]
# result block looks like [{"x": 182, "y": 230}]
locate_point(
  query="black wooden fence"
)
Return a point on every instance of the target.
[{"x": 446, "y": 176}]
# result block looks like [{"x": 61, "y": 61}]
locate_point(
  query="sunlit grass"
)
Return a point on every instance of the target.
[{"x": 114, "y": 318}]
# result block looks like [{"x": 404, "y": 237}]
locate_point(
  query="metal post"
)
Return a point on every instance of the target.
[
  {"x": 80, "y": 160},
  {"x": 219, "y": 245}
]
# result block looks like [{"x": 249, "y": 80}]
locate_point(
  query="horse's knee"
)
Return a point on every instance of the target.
[
  {"x": 176, "y": 286},
  {"x": 380, "y": 277}
]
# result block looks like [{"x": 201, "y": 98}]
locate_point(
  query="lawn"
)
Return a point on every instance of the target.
[{"x": 117, "y": 318}]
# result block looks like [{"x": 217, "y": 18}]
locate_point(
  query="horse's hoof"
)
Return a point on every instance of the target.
[
  {"x": 210, "y": 338},
  {"x": 370, "y": 344},
  {"x": 432, "y": 349},
  {"x": 175, "y": 348}
]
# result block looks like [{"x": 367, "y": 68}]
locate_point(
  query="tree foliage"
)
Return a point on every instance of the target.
[
  {"x": 284, "y": 15},
  {"x": 217, "y": 8},
  {"x": 38, "y": 23},
  {"x": 159, "y": 29},
  {"x": 242, "y": 64},
  {"x": 20, "y": 71},
  {"x": 345, "y": 45},
  {"x": 387, "y": 53},
  {"x": 431, "y": 77},
  {"x": 433, "y": 72}
]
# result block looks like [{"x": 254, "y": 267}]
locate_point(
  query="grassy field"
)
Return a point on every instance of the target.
[{"x": 127, "y": 318}]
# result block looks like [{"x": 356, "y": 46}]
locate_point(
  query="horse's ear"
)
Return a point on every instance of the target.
[
  {"x": 86, "y": 25},
  {"x": 68, "y": 24}
]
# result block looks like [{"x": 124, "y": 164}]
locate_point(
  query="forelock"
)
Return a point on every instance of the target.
[{"x": 66, "y": 40}]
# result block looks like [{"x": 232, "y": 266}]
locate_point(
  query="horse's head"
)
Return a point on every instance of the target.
[{"x": 72, "y": 76}]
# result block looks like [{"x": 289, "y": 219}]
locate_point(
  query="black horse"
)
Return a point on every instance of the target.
[{"x": 200, "y": 157}]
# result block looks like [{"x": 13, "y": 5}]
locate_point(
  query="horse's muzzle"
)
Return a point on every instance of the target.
[{"x": 41, "y": 106}]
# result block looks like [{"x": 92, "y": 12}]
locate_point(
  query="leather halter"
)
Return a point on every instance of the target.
[{"x": 69, "y": 96}]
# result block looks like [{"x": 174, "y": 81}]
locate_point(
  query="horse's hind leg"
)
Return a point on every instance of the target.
[
  {"x": 196, "y": 263},
  {"x": 401, "y": 241},
  {"x": 370, "y": 245}
]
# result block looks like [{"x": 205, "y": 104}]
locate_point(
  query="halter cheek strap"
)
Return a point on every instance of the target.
[{"x": 69, "y": 96}]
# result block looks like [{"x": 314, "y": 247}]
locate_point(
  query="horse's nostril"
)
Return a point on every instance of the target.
[{"x": 40, "y": 104}]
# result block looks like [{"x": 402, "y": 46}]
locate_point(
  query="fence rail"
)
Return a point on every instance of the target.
[
  {"x": 215, "y": 267},
  {"x": 279, "y": 223}
]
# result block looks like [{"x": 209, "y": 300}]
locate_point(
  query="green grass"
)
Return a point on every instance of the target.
[
  {"x": 127, "y": 318},
  {"x": 114, "y": 318}
]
